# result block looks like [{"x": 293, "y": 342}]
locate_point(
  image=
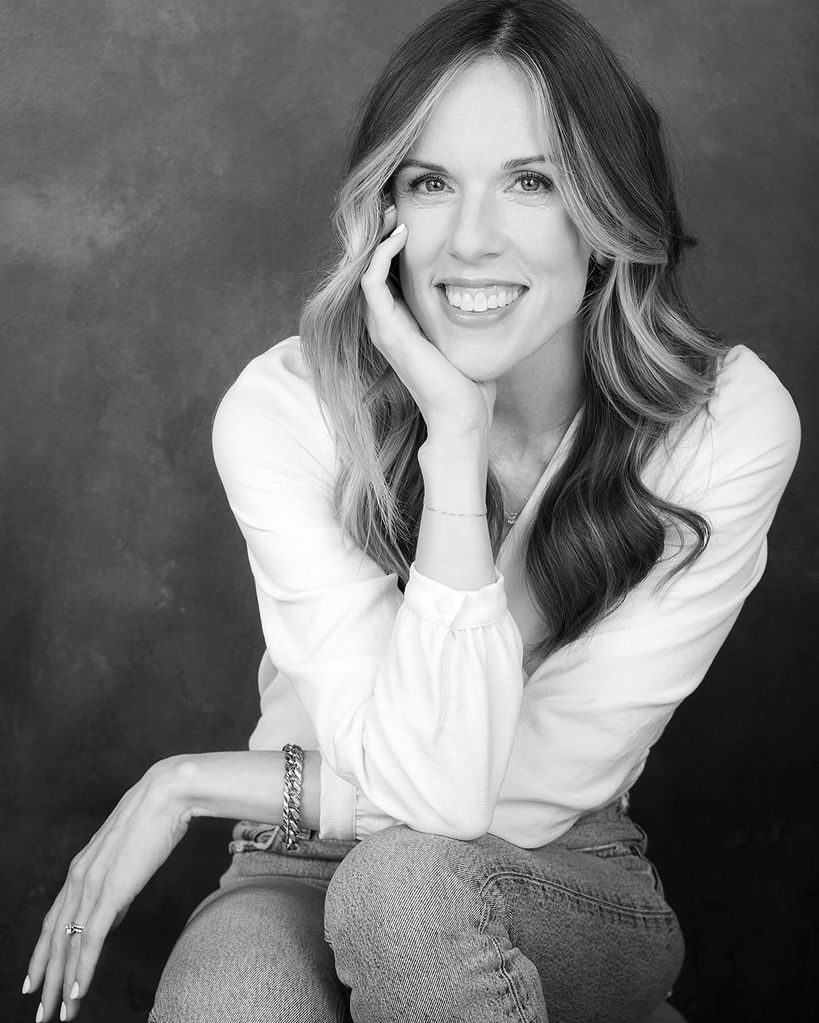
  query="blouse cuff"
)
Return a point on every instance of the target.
[
  {"x": 455, "y": 609},
  {"x": 336, "y": 806}
]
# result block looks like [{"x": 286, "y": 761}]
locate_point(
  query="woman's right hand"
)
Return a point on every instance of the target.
[
  {"x": 451, "y": 403},
  {"x": 103, "y": 880}
]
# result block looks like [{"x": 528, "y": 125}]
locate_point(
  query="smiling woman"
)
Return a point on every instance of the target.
[
  {"x": 494, "y": 268},
  {"x": 503, "y": 500}
]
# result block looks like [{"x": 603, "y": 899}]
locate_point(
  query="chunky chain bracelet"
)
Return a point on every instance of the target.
[{"x": 291, "y": 794}]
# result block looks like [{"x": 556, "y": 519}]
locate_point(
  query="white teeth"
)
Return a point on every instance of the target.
[{"x": 479, "y": 300}]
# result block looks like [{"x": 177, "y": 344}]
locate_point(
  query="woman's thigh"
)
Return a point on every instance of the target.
[
  {"x": 254, "y": 951},
  {"x": 568, "y": 932},
  {"x": 595, "y": 924}
]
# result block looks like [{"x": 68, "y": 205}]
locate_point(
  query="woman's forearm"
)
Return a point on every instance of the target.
[
  {"x": 241, "y": 785},
  {"x": 452, "y": 549}
]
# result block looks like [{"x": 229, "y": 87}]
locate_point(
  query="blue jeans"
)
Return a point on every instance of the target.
[{"x": 407, "y": 927}]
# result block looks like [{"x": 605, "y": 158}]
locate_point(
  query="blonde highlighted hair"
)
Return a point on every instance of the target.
[{"x": 649, "y": 366}]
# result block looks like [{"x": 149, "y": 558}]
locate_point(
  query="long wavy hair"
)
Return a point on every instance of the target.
[{"x": 649, "y": 367}]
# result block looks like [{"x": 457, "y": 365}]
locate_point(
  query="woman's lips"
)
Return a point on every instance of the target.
[
  {"x": 479, "y": 298},
  {"x": 476, "y": 318}
]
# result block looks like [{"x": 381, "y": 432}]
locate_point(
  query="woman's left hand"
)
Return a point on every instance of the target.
[
  {"x": 102, "y": 881},
  {"x": 451, "y": 403}
]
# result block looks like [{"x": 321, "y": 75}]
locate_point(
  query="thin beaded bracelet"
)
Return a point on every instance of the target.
[{"x": 462, "y": 514}]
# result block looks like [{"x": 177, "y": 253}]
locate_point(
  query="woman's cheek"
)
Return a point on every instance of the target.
[
  {"x": 407, "y": 276},
  {"x": 409, "y": 269}
]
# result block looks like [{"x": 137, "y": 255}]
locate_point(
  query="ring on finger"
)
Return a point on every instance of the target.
[{"x": 74, "y": 928}]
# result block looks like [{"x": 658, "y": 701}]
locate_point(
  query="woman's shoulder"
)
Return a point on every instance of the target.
[
  {"x": 277, "y": 372},
  {"x": 751, "y": 413},
  {"x": 272, "y": 410},
  {"x": 750, "y": 425},
  {"x": 747, "y": 381}
]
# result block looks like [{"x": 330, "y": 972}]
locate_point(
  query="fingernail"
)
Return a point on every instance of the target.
[
  {"x": 39, "y": 1017},
  {"x": 63, "y": 1011},
  {"x": 389, "y": 209},
  {"x": 26, "y": 985},
  {"x": 401, "y": 227},
  {"x": 75, "y": 990}
]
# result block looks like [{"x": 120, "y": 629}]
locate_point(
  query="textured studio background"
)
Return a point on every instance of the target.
[{"x": 166, "y": 179}]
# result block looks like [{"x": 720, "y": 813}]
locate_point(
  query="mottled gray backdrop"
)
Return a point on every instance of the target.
[{"x": 166, "y": 178}]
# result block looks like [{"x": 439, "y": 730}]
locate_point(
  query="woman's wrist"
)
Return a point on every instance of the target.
[
  {"x": 453, "y": 540},
  {"x": 454, "y": 472},
  {"x": 236, "y": 785},
  {"x": 467, "y": 443},
  {"x": 455, "y": 463},
  {"x": 173, "y": 782}
]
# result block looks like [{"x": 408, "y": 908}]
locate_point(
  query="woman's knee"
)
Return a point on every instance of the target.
[
  {"x": 254, "y": 951},
  {"x": 399, "y": 883},
  {"x": 413, "y": 938},
  {"x": 408, "y": 913}
]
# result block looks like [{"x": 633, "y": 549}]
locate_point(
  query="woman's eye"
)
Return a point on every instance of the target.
[
  {"x": 427, "y": 183},
  {"x": 534, "y": 182},
  {"x": 530, "y": 182}
]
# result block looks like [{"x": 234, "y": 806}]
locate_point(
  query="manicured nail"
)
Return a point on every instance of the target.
[
  {"x": 75, "y": 990},
  {"x": 401, "y": 227},
  {"x": 26, "y": 985},
  {"x": 389, "y": 209},
  {"x": 39, "y": 1017},
  {"x": 63, "y": 1011}
]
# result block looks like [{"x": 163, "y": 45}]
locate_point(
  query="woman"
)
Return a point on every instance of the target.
[{"x": 503, "y": 500}]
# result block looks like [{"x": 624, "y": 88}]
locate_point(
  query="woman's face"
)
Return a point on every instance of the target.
[{"x": 487, "y": 231}]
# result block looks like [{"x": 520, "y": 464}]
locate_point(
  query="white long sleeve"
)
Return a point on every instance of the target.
[
  {"x": 418, "y": 703},
  {"x": 413, "y": 700}
]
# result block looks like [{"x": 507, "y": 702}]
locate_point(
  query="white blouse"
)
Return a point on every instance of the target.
[{"x": 419, "y": 703}]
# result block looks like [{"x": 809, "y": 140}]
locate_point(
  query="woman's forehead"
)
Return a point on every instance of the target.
[{"x": 487, "y": 106}]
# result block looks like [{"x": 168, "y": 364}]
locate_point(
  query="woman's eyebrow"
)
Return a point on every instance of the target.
[{"x": 519, "y": 161}]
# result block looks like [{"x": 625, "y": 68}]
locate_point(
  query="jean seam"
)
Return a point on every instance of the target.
[
  {"x": 631, "y": 912},
  {"x": 509, "y": 978},
  {"x": 607, "y": 850},
  {"x": 485, "y": 914}
]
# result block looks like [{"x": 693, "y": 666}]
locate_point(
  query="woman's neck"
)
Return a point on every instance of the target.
[{"x": 536, "y": 401}]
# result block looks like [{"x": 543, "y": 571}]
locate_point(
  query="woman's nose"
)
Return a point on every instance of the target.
[{"x": 476, "y": 230}]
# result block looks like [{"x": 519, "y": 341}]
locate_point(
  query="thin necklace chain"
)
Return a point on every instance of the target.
[{"x": 512, "y": 517}]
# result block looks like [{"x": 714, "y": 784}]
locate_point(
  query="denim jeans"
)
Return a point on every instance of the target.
[{"x": 408, "y": 927}]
